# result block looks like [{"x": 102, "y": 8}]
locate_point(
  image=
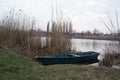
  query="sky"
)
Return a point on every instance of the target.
[{"x": 84, "y": 14}]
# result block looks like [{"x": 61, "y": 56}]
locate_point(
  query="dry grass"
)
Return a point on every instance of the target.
[
  {"x": 110, "y": 59},
  {"x": 59, "y": 38},
  {"x": 112, "y": 53},
  {"x": 18, "y": 34},
  {"x": 14, "y": 66}
]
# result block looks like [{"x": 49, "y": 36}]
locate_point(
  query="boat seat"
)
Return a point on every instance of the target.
[{"x": 75, "y": 55}]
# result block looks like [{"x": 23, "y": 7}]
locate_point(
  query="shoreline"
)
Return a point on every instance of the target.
[
  {"x": 94, "y": 37},
  {"x": 24, "y": 68},
  {"x": 97, "y": 37}
]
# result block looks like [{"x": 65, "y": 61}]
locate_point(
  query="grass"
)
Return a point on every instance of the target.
[
  {"x": 60, "y": 41},
  {"x": 110, "y": 59},
  {"x": 112, "y": 53},
  {"x": 18, "y": 33},
  {"x": 14, "y": 66}
]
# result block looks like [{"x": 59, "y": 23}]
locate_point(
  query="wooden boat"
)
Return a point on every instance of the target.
[{"x": 71, "y": 58}]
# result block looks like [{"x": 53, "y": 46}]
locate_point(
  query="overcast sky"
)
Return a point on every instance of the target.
[{"x": 83, "y": 13}]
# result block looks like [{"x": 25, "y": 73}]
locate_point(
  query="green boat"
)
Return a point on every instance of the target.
[{"x": 71, "y": 58}]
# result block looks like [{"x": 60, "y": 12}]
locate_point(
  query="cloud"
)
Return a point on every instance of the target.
[{"x": 84, "y": 13}]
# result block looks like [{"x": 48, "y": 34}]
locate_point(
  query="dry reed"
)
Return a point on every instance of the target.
[
  {"x": 59, "y": 38},
  {"x": 18, "y": 34},
  {"x": 112, "y": 53}
]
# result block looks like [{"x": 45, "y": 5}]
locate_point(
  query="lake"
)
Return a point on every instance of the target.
[{"x": 92, "y": 45}]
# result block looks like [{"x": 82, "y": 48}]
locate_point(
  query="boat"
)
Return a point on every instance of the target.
[{"x": 70, "y": 58}]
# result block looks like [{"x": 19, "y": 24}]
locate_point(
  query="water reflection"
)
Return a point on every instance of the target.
[{"x": 92, "y": 45}]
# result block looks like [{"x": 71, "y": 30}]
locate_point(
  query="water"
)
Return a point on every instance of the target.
[{"x": 91, "y": 45}]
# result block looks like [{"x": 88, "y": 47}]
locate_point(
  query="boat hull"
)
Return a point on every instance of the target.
[{"x": 50, "y": 60}]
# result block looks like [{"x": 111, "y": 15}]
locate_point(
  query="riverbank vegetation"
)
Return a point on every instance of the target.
[
  {"x": 18, "y": 32},
  {"x": 110, "y": 37},
  {"x": 14, "y": 66},
  {"x": 112, "y": 53}
]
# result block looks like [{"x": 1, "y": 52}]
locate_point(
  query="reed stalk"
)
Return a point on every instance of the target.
[{"x": 112, "y": 53}]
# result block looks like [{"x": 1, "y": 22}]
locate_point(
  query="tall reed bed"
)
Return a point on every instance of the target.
[
  {"x": 110, "y": 59},
  {"x": 59, "y": 38},
  {"x": 18, "y": 33},
  {"x": 112, "y": 53}
]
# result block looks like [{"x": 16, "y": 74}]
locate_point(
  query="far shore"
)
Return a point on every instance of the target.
[{"x": 97, "y": 37}]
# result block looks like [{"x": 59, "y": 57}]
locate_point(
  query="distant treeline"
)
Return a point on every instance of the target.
[{"x": 85, "y": 35}]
